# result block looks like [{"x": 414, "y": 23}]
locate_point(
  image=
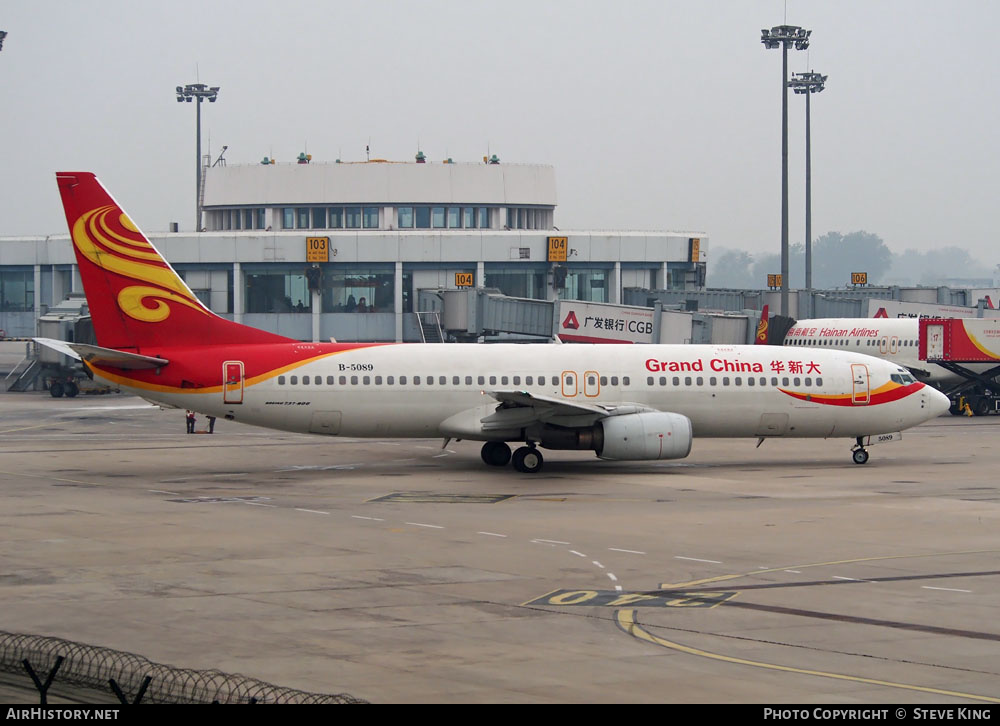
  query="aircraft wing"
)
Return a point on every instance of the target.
[
  {"x": 103, "y": 356},
  {"x": 521, "y": 408}
]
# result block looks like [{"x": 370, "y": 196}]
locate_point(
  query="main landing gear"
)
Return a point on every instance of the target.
[
  {"x": 527, "y": 459},
  {"x": 860, "y": 454}
]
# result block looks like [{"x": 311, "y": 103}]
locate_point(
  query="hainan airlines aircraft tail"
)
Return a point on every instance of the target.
[
  {"x": 763, "y": 328},
  {"x": 646, "y": 402}
]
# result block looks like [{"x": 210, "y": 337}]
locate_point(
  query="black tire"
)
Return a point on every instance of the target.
[
  {"x": 56, "y": 390},
  {"x": 495, "y": 453},
  {"x": 954, "y": 410},
  {"x": 982, "y": 407},
  {"x": 528, "y": 460},
  {"x": 71, "y": 389},
  {"x": 860, "y": 456}
]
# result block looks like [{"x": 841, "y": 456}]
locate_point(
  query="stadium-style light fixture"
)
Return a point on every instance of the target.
[
  {"x": 190, "y": 93},
  {"x": 784, "y": 37},
  {"x": 808, "y": 84}
]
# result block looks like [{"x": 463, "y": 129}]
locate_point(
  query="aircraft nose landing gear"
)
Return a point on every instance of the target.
[{"x": 860, "y": 454}]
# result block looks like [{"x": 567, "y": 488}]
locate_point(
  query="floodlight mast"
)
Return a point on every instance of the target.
[
  {"x": 808, "y": 84},
  {"x": 199, "y": 92},
  {"x": 784, "y": 36}
]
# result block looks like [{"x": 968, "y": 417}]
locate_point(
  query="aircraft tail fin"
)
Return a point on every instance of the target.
[
  {"x": 136, "y": 299},
  {"x": 763, "y": 336}
]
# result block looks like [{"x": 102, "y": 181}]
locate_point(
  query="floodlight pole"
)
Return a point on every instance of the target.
[
  {"x": 808, "y": 84},
  {"x": 197, "y": 92},
  {"x": 784, "y": 36}
]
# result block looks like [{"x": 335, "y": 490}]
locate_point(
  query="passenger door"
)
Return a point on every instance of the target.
[{"x": 232, "y": 381}]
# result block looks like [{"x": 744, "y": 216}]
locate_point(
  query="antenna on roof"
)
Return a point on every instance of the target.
[{"x": 368, "y": 149}]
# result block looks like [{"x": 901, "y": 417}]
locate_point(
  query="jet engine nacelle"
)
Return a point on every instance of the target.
[{"x": 644, "y": 436}]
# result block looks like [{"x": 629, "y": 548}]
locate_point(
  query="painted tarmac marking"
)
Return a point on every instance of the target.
[
  {"x": 491, "y": 534},
  {"x": 549, "y": 541},
  {"x": 628, "y": 552},
  {"x": 627, "y": 622},
  {"x": 947, "y": 589},
  {"x": 431, "y": 526},
  {"x": 695, "y": 559},
  {"x": 373, "y": 519},
  {"x": 311, "y": 511}
]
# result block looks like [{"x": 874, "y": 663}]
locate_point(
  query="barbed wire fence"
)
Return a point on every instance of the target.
[{"x": 47, "y": 663}]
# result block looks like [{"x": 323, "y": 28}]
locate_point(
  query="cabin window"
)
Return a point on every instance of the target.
[
  {"x": 305, "y": 380},
  {"x": 700, "y": 381},
  {"x": 367, "y": 380},
  {"x": 330, "y": 380},
  {"x": 725, "y": 380},
  {"x": 614, "y": 380},
  {"x": 493, "y": 380},
  {"x": 649, "y": 380},
  {"x": 517, "y": 380},
  {"x": 402, "y": 380},
  {"x": 390, "y": 380},
  {"x": 687, "y": 380},
  {"x": 784, "y": 381},
  {"x": 809, "y": 382},
  {"x": 624, "y": 380},
  {"x": 443, "y": 380},
  {"x": 676, "y": 381},
  {"x": 750, "y": 381},
  {"x": 416, "y": 380},
  {"x": 555, "y": 380},
  {"x": 763, "y": 381},
  {"x": 738, "y": 381},
  {"x": 528, "y": 380},
  {"x": 281, "y": 380},
  {"x": 343, "y": 380},
  {"x": 456, "y": 380},
  {"x": 294, "y": 380},
  {"x": 797, "y": 381},
  {"x": 481, "y": 380},
  {"x": 430, "y": 380},
  {"x": 663, "y": 380},
  {"x": 318, "y": 380},
  {"x": 354, "y": 380},
  {"x": 774, "y": 381},
  {"x": 713, "y": 381},
  {"x": 378, "y": 380}
]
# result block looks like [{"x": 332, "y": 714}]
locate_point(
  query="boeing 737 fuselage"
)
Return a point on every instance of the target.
[{"x": 644, "y": 402}]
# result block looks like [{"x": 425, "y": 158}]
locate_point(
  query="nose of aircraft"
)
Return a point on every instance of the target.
[{"x": 937, "y": 402}]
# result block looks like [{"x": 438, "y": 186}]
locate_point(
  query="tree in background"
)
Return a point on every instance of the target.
[
  {"x": 836, "y": 256},
  {"x": 730, "y": 268}
]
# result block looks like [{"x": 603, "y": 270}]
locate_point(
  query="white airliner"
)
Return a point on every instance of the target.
[
  {"x": 643, "y": 402},
  {"x": 892, "y": 339}
]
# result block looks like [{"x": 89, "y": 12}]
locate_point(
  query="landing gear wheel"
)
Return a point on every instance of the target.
[
  {"x": 528, "y": 460},
  {"x": 495, "y": 453},
  {"x": 982, "y": 407},
  {"x": 860, "y": 456},
  {"x": 71, "y": 389},
  {"x": 56, "y": 390}
]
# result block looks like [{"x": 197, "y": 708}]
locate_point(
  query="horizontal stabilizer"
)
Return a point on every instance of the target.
[{"x": 103, "y": 356}]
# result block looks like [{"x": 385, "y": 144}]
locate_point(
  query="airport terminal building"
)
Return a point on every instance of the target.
[{"x": 351, "y": 251}]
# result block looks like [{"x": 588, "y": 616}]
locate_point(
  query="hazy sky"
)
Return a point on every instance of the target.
[{"x": 662, "y": 115}]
